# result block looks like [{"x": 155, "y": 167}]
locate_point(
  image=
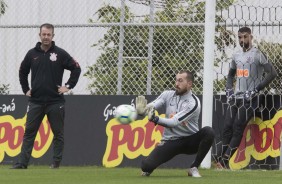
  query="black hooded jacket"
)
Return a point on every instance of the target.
[{"x": 47, "y": 69}]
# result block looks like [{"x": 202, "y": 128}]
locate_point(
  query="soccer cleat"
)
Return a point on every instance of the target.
[
  {"x": 55, "y": 165},
  {"x": 19, "y": 166},
  {"x": 194, "y": 172},
  {"x": 145, "y": 173}
]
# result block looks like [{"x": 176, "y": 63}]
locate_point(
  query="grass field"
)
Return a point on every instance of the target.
[{"x": 101, "y": 175}]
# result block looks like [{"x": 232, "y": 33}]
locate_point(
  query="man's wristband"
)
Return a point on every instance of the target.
[{"x": 155, "y": 119}]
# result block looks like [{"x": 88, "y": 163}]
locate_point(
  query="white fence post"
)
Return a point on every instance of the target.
[{"x": 208, "y": 71}]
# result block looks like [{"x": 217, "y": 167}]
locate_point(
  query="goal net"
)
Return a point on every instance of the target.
[{"x": 260, "y": 144}]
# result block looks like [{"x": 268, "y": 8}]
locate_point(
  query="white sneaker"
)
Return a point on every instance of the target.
[
  {"x": 194, "y": 172},
  {"x": 219, "y": 166},
  {"x": 145, "y": 173}
]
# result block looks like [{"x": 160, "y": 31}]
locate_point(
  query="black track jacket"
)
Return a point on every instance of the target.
[{"x": 47, "y": 69}]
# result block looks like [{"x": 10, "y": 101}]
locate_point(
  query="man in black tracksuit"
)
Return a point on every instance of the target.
[{"x": 47, "y": 63}]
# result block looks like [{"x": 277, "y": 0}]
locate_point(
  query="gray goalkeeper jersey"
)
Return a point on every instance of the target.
[
  {"x": 182, "y": 114},
  {"x": 249, "y": 69}
]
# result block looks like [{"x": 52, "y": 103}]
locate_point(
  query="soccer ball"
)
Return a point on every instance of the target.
[{"x": 125, "y": 114}]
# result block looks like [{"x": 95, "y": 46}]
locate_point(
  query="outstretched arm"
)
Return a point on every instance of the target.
[{"x": 177, "y": 119}]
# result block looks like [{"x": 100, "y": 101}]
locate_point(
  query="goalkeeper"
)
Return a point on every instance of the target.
[
  {"x": 181, "y": 134},
  {"x": 248, "y": 65}
]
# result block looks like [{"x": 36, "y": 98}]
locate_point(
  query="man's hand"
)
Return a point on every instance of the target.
[
  {"x": 249, "y": 95},
  {"x": 151, "y": 115},
  {"x": 141, "y": 104},
  {"x": 28, "y": 93},
  {"x": 62, "y": 89}
]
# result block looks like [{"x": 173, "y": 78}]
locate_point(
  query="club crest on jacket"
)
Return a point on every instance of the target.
[{"x": 53, "y": 56}]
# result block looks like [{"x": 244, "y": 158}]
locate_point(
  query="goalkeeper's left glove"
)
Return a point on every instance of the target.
[
  {"x": 249, "y": 95},
  {"x": 229, "y": 95},
  {"x": 141, "y": 104},
  {"x": 151, "y": 115}
]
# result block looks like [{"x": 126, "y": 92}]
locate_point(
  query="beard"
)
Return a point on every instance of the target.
[
  {"x": 180, "y": 91},
  {"x": 46, "y": 42},
  {"x": 245, "y": 45}
]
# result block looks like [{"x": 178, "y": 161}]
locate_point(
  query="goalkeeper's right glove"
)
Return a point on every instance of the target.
[
  {"x": 249, "y": 95},
  {"x": 151, "y": 115}
]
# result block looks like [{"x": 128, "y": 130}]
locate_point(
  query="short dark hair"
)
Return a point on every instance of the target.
[
  {"x": 190, "y": 76},
  {"x": 48, "y": 26},
  {"x": 245, "y": 30}
]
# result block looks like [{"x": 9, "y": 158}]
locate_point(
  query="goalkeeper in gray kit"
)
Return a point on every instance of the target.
[
  {"x": 247, "y": 69},
  {"x": 181, "y": 134}
]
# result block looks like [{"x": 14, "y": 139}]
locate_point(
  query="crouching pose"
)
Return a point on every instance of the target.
[{"x": 182, "y": 134}]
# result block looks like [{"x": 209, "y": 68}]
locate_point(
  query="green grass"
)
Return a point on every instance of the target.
[{"x": 101, "y": 175}]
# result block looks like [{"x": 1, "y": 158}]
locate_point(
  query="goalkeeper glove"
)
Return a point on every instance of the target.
[
  {"x": 248, "y": 95},
  {"x": 151, "y": 115},
  {"x": 141, "y": 104},
  {"x": 229, "y": 94}
]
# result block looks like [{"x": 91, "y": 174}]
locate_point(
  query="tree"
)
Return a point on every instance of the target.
[
  {"x": 174, "y": 48},
  {"x": 3, "y": 7},
  {"x": 4, "y": 88},
  {"x": 273, "y": 53}
]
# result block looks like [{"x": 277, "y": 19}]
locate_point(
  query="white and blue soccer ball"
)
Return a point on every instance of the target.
[{"x": 125, "y": 114}]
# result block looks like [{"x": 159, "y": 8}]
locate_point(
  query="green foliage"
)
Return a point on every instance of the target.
[
  {"x": 174, "y": 48},
  {"x": 219, "y": 85},
  {"x": 3, "y": 7},
  {"x": 223, "y": 4},
  {"x": 4, "y": 89},
  {"x": 273, "y": 53}
]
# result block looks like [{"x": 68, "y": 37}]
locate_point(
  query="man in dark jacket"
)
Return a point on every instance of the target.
[{"x": 47, "y": 63}]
